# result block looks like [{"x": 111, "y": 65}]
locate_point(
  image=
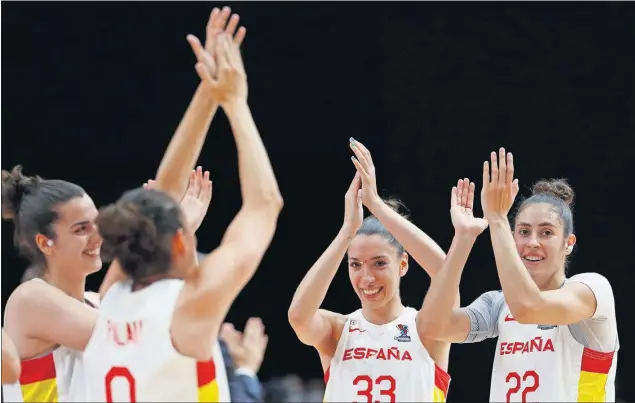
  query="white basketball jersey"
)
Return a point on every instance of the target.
[
  {"x": 383, "y": 363},
  {"x": 130, "y": 356},
  {"x": 543, "y": 363},
  {"x": 57, "y": 376}
]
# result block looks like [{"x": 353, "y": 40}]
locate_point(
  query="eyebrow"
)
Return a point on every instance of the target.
[
  {"x": 542, "y": 224},
  {"x": 80, "y": 223},
  {"x": 372, "y": 258}
]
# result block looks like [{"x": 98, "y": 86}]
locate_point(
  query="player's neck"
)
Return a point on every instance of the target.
[
  {"x": 74, "y": 286},
  {"x": 385, "y": 314}
]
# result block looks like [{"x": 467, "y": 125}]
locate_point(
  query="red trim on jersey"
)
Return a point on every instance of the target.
[
  {"x": 595, "y": 361},
  {"x": 327, "y": 374},
  {"x": 206, "y": 372},
  {"x": 441, "y": 379},
  {"x": 38, "y": 369}
]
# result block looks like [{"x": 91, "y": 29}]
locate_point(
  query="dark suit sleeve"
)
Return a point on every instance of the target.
[{"x": 242, "y": 388}]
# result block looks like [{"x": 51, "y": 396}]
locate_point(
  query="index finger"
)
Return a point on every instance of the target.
[
  {"x": 485, "y": 175},
  {"x": 366, "y": 152}
]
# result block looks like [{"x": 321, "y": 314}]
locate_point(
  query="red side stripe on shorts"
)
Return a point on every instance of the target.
[{"x": 37, "y": 369}]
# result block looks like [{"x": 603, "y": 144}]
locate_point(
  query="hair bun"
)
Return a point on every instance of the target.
[
  {"x": 14, "y": 186},
  {"x": 558, "y": 188},
  {"x": 398, "y": 206}
]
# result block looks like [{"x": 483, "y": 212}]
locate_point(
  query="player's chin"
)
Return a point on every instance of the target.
[
  {"x": 93, "y": 265},
  {"x": 374, "y": 297}
]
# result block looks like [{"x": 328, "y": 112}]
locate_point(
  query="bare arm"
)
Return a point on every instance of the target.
[
  {"x": 39, "y": 311},
  {"x": 185, "y": 147},
  {"x": 423, "y": 249},
  {"x": 227, "y": 269},
  {"x": 10, "y": 360},
  {"x": 312, "y": 325},
  {"x": 439, "y": 317}
]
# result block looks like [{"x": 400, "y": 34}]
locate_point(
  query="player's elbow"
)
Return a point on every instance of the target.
[
  {"x": 269, "y": 200},
  {"x": 525, "y": 312},
  {"x": 296, "y": 316}
]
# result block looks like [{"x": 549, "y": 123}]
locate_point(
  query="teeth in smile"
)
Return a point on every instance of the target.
[
  {"x": 533, "y": 258},
  {"x": 371, "y": 292},
  {"x": 94, "y": 252}
]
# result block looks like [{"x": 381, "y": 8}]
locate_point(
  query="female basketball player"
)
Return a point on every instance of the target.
[
  {"x": 557, "y": 336},
  {"x": 375, "y": 352},
  {"x": 156, "y": 333},
  {"x": 10, "y": 360},
  {"x": 48, "y": 320}
]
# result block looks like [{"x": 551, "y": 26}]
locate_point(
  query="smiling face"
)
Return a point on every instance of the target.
[
  {"x": 76, "y": 246},
  {"x": 375, "y": 268},
  {"x": 541, "y": 241}
]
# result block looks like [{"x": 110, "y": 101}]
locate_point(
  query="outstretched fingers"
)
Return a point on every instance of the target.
[
  {"x": 361, "y": 156},
  {"x": 502, "y": 168},
  {"x": 494, "y": 168}
]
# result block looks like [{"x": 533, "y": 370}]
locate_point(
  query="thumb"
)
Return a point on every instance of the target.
[{"x": 515, "y": 187}]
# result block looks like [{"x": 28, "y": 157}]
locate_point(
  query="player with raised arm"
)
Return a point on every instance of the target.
[
  {"x": 51, "y": 319},
  {"x": 557, "y": 336},
  {"x": 376, "y": 352},
  {"x": 157, "y": 329}
]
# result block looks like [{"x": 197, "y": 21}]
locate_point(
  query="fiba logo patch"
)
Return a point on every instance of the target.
[
  {"x": 403, "y": 333},
  {"x": 546, "y": 327}
]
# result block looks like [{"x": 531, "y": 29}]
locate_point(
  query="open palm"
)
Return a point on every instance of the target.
[
  {"x": 462, "y": 209},
  {"x": 196, "y": 200}
]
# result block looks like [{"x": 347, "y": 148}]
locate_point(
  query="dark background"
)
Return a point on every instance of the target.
[{"x": 93, "y": 91}]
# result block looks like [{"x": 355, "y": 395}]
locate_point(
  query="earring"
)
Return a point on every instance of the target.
[{"x": 49, "y": 242}]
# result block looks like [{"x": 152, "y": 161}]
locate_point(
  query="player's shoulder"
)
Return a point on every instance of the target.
[
  {"x": 599, "y": 285},
  {"x": 589, "y": 277}
]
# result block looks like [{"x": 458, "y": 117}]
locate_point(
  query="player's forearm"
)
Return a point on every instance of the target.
[
  {"x": 417, "y": 243},
  {"x": 312, "y": 290},
  {"x": 520, "y": 290},
  {"x": 185, "y": 147},
  {"x": 257, "y": 180},
  {"x": 442, "y": 296}
]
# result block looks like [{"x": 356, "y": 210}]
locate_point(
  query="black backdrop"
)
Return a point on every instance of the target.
[{"x": 93, "y": 91}]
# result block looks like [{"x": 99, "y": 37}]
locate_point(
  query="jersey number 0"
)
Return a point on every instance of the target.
[{"x": 120, "y": 372}]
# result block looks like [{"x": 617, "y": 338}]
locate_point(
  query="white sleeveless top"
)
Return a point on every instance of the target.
[
  {"x": 540, "y": 363},
  {"x": 383, "y": 363},
  {"x": 56, "y": 376},
  {"x": 130, "y": 356}
]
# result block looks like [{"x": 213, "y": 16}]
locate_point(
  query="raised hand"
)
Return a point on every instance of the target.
[
  {"x": 499, "y": 190},
  {"x": 247, "y": 349},
  {"x": 231, "y": 82},
  {"x": 353, "y": 210},
  {"x": 462, "y": 210},
  {"x": 366, "y": 169},
  {"x": 196, "y": 200},
  {"x": 217, "y": 24}
]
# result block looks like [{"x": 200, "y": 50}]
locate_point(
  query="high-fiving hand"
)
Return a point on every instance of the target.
[
  {"x": 196, "y": 200},
  {"x": 219, "y": 63},
  {"x": 363, "y": 162},
  {"x": 353, "y": 210},
  {"x": 462, "y": 209},
  {"x": 499, "y": 190}
]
